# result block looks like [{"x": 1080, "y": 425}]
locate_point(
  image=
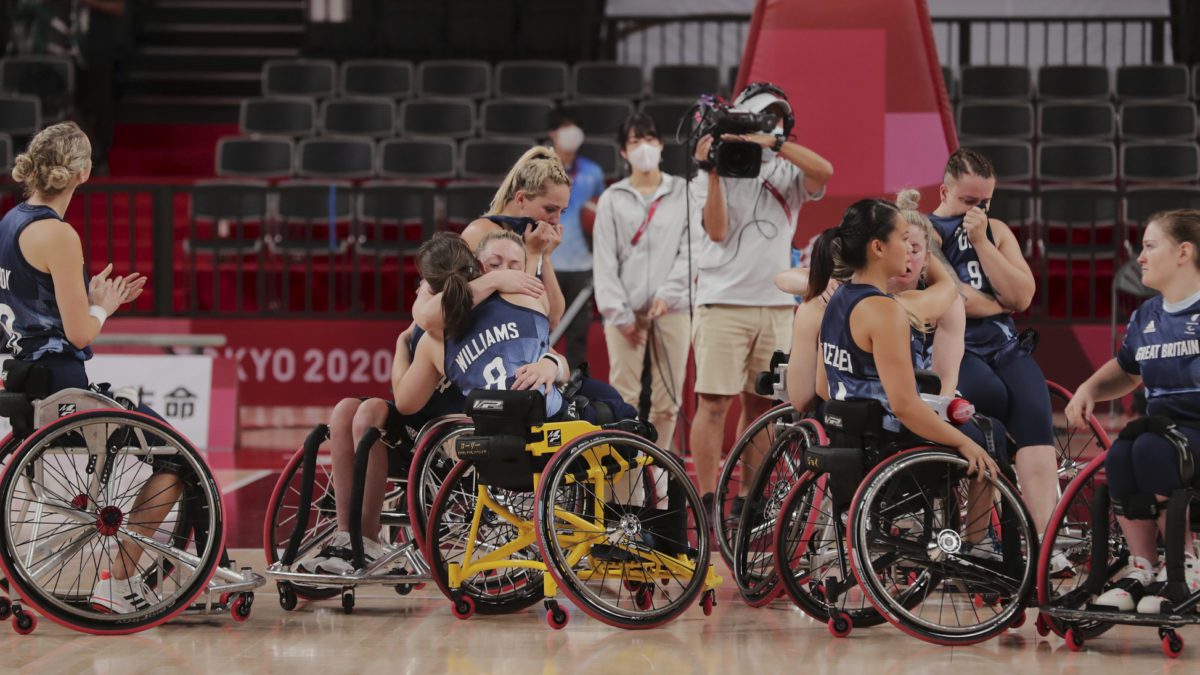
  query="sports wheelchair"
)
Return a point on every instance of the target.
[
  {"x": 75, "y": 465},
  {"x": 1085, "y": 528},
  {"x": 302, "y": 514},
  {"x": 606, "y": 513}
]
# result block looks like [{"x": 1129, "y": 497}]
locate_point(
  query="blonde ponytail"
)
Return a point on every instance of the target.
[{"x": 530, "y": 174}]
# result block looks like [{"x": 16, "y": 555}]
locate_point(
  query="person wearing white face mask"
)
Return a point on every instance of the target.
[
  {"x": 641, "y": 276},
  {"x": 573, "y": 257},
  {"x": 741, "y": 317}
]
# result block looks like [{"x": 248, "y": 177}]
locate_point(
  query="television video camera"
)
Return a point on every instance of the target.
[{"x": 731, "y": 159}]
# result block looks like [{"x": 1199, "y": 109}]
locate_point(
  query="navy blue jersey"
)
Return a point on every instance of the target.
[
  {"x": 513, "y": 223},
  {"x": 1164, "y": 348},
  {"x": 502, "y": 338},
  {"x": 850, "y": 370},
  {"x": 446, "y": 399},
  {"x": 989, "y": 336},
  {"x": 922, "y": 349},
  {"x": 29, "y": 313}
]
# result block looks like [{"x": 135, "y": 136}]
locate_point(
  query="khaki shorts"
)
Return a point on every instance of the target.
[{"x": 732, "y": 344}]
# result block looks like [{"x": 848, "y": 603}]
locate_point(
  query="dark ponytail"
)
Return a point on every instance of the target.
[
  {"x": 446, "y": 263},
  {"x": 820, "y": 269},
  {"x": 865, "y": 221}
]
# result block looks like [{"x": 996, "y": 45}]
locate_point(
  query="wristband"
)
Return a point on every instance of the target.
[
  {"x": 98, "y": 312},
  {"x": 779, "y": 141},
  {"x": 559, "y": 376}
]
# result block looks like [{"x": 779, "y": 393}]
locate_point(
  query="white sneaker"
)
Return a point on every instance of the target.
[
  {"x": 1152, "y": 602},
  {"x": 340, "y": 539},
  {"x": 1060, "y": 566},
  {"x": 121, "y": 596},
  {"x": 341, "y": 556},
  {"x": 1138, "y": 574}
]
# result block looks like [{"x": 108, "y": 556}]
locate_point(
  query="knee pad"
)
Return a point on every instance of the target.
[
  {"x": 1139, "y": 506},
  {"x": 1166, "y": 428}
]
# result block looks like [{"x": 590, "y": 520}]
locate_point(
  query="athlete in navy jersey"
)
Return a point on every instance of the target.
[
  {"x": 1161, "y": 350},
  {"x": 502, "y": 338},
  {"x": 862, "y": 357},
  {"x": 998, "y": 375}
]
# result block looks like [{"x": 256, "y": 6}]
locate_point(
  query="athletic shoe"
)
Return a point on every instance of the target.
[
  {"x": 340, "y": 539},
  {"x": 1126, "y": 591},
  {"x": 121, "y": 596},
  {"x": 1060, "y": 566},
  {"x": 1152, "y": 601},
  {"x": 341, "y": 558}
]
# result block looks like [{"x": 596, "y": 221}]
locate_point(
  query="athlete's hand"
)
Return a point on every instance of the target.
[
  {"x": 978, "y": 461},
  {"x": 134, "y": 285},
  {"x": 517, "y": 281},
  {"x": 657, "y": 309},
  {"x": 107, "y": 293},
  {"x": 975, "y": 222},
  {"x": 543, "y": 239},
  {"x": 539, "y": 376},
  {"x": 635, "y": 335},
  {"x": 767, "y": 141},
  {"x": 1079, "y": 409}
]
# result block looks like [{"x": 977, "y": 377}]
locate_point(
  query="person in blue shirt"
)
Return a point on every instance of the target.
[
  {"x": 51, "y": 313},
  {"x": 1161, "y": 350},
  {"x": 573, "y": 257},
  {"x": 998, "y": 374}
]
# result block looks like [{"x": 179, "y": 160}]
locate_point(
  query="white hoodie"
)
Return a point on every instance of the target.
[{"x": 628, "y": 277}]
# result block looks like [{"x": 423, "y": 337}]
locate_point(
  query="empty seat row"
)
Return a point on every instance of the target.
[
  {"x": 479, "y": 79},
  {"x": 49, "y": 79},
  {"x": 1016, "y": 161},
  {"x": 1135, "y": 121},
  {"x": 1078, "y": 83},
  {"x": 446, "y": 117},
  {"x": 20, "y": 115},
  {"x": 406, "y": 158}
]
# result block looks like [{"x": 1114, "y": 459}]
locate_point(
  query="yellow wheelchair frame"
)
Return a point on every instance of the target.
[{"x": 650, "y": 566}]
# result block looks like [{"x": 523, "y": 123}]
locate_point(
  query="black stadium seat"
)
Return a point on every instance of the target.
[
  {"x": 1077, "y": 121},
  {"x": 385, "y": 208},
  {"x": 675, "y": 159},
  {"x": 1077, "y": 162},
  {"x": 1012, "y": 160},
  {"x": 466, "y": 201},
  {"x": 521, "y": 118},
  {"x": 490, "y": 158},
  {"x": 50, "y": 78},
  {"x": 996, "y": 120},
  {"x": 20, "y": 115},
  {"x": 418, "y": 158},
  {"x": 370, "y": 117},
  {"x": 448, "y": 117},
  {"x": 688, "y": 81},
  {"x": 606, "y": 154},
  {"x": 240, "y": 205},
  {"x": 282, "y": 115},
  {"x": 6, "y": 153},
  {"x": 1074, "y": 83},
  {"x": 668, "y": 114},
  {"x": 387, "y": 78},
  {"x": 316, "y": 78},
  {"x": 1164, "y": 162},
  {"x": 604, "y": 79},
  {"x": 255, "y": 157},
  {"x": 537, "y": 79},
  {"x": 305, "y": 210},
  {"x": 1143, "y": 201},
  {"x": 1158, "y": 121},
  {"x": 1008, "y": 83},
  {"x": 599, "y": 117},
  {"x": 468, "y": 79},
  {"x": 1158, "y": 81},
  {"x": 335, "y": 157}
]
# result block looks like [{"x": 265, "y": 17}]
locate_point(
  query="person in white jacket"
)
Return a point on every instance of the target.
[{"x": 641, "y": 275}]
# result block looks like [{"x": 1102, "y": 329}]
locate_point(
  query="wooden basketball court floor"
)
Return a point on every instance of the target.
[{"x": 388, "y": 633}]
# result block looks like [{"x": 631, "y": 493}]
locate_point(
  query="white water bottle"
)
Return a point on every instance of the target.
[{"x": 952, "y": 409}]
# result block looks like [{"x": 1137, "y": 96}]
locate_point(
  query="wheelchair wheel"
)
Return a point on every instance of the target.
[
  {"x": 495, "y": 591},
  {"x": 622, "y": 529},
  {"x": 433, "y": 458},
  {"x": 970, "y": 547},
  {"x": 754, "y": 539},
  {"x": 811, "y": 556},
  {"x": 737, "y": 471},
  {"x": 283, "y": 513},
  {"x": 1075, "y": 447},
  {"x": 1084, "y": 529},
  {"x": 71, "y": 495}
]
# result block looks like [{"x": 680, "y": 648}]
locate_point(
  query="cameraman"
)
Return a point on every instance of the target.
[{"x": 742, "y": 318}]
